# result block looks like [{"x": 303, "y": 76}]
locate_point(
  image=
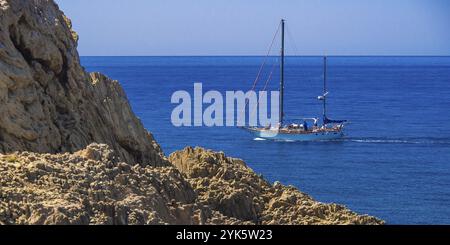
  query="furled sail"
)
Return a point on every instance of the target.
[{"x": 326, "y": 120}]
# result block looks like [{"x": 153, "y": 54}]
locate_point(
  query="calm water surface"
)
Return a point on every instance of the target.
[{"x": 394, "y": 162}]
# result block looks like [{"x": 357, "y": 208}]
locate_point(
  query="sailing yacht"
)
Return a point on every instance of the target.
[{"x": 301, "y": 131}]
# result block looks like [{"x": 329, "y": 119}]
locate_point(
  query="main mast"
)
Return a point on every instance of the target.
[
  {"x": 324, "y": 87},
  {"x": 282, "y": 76}
]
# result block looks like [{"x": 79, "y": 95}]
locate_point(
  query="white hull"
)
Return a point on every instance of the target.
[{"x": 309, "y": 136}]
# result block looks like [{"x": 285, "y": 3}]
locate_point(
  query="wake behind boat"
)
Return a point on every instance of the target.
[{"x": 299, "y": 129}]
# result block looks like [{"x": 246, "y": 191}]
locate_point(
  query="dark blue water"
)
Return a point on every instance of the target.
[{"x": 394, "y": 163}]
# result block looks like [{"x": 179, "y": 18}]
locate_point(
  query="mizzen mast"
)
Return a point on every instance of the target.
[
  {"x": 282, "y": 76},
  {"x": 325, "y": 92}
]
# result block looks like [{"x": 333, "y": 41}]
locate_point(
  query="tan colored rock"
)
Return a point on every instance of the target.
[
  {"x": 92, "y": 187},
  {"x": 51, "y": 111},
  {"x": 227, "y": 185},
  {"x": 48, "y": 102}
]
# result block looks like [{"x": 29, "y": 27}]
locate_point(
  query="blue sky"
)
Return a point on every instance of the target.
[{"x": 244, "y": 27}]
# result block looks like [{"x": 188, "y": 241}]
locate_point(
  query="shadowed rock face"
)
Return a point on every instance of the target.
[{"x": 48, "y": 103}]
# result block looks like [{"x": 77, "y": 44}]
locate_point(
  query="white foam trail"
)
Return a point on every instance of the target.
[
  {"x": 399, "y": 141},
  {"x": 385, "y": 141},
  {"x": 259, "y": 139},
  {"x": 425, "y": 141},
  {"x": 281, "y": 140}
]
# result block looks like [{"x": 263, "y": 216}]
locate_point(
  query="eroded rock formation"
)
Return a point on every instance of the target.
[
  {"x": 93, "y": 186},
  {"x": 48, "y": 102},
  {"x": 52, "y": 171},
  {"x": 227, "y": 185}
]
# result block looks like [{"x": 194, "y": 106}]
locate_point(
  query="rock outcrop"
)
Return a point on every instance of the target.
[
  {"x": 48, "y": 103},
  {"x": 73, "y": 152},
  {"x": 93, "y": 186},
  {"x": 227, "y": 185}
]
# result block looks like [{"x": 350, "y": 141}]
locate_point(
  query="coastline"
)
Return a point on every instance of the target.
[{"x": 53, "y": 114}]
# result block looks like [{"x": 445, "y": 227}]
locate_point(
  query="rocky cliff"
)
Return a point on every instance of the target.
[
  {"x": 227, "y": 185},
  {"x": 48, "y": 102},
  {"x": 73, "y": 152},
  {"x": 93, "y": 186}
]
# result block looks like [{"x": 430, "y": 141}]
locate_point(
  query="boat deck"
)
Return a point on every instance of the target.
[{"x": 298, "y": 131}]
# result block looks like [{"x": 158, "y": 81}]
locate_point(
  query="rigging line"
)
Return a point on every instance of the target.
[
  {"x": 270, "y": 75},
  {"x": 265, "y": 58},
  {"x": 265, "y": 85},
  {"x": 291, "y": 39},
  {"x": 292, "y": 42},
  {"x": 264, "y": 62}
]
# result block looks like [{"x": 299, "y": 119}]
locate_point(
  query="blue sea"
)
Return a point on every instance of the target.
[{"x": 394, "y": 162}]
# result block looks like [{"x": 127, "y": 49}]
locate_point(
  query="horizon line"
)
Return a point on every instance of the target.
[{"x": 265, "y": 56}]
